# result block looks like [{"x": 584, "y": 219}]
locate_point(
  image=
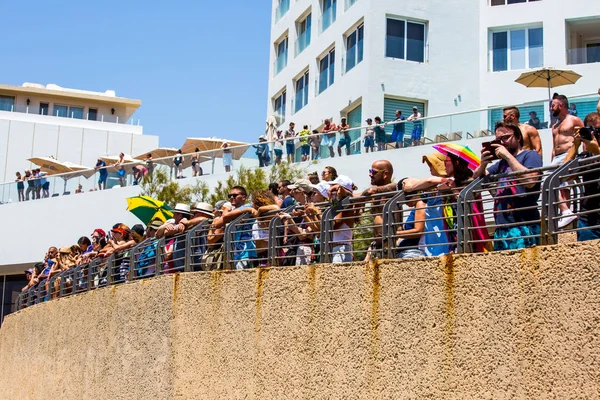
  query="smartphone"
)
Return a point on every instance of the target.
[
  {"x": 586, "y": 133},
  {"x": 487, "y": 146}
]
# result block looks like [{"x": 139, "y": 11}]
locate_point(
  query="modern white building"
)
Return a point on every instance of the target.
[
  {"x": 367, "y": 58},
  {"x": 68, "y": 124}
]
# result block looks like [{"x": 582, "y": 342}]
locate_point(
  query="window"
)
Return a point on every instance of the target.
[
  {"x": 348, "y": 4},
  {"x": 303, "y": 40},
  {"x": 76, "y": 112},
  {"x": 60, "y": 111},
  {"x": 93, "y": 114},
  {"x": 405, "y": 40},
  {"x": 279, "y": 107},
  {"x": 44, "y": 108},
  {"x": 301, "y": 92},
  {"x": 281, "y": 50},
  {"x": 328, "y": 8},
  {"x": 282, "y": 9},
  {"x": 354, "y": 48},
  {"x": 583, "y": 40},
  {"x": 517, "y": 49},
  {"x": 7, "y": 103},
  {"x": 504, "y": 2},
  {"x": 326, "y": 71}
]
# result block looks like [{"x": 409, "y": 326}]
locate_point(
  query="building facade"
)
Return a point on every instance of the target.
[
  {"x": 68, "y": 124},
  {"x": 367, "y": 58}
]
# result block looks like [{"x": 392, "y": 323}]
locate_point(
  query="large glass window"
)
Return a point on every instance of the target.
[
  {"x": 279, "y": 107},
  {"x": 60, "y": 111},
  {"x": 326, "y": 70},
  {"x": 76, "y": 112},
  {"x": 44, "y": 109},
  {"x": 328, "y": 8},
  {"x": 301, "y": 92},
  {"x": 282, "y": 9},
  {"x": 281, "y": 50},
  {"x": 405, "y": 40},
  {"x": 354, "y": 48},
  {"x": 517, "y": 49},
  {"x": 303, "y": 35},
  {"x": 7, "y": 103}
]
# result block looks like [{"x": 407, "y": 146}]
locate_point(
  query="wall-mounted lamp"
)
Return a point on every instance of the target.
[
  {"x": 28, "y": 101},
  {"x": 112, "y": 111}
]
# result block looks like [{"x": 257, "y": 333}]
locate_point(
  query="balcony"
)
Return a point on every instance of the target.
[
  {"x": 302, "y": 42},
  {"x": 280, "y": 62},
  {"x": 72, "y": 113},
  {"x": 327, "y": 18},
  {"x": 583, "y": 41},
  {"x": 282, "y": 9}
]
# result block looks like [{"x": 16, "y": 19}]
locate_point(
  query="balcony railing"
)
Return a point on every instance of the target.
[
  {"x": 586, "y": 55},
  {"x": 327, "y": 18},
  {"x": 470, "y": 227},
  {"x": 282, "y": 9},
  {"x": 302, "y": 42},
  {"x": 69, "y": 114},
  {"x": 280, "y": 62}
]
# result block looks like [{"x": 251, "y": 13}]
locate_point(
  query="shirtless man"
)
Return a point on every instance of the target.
[
  {"x": 562, "y": 138},
  {"x": 329, "y": 130},
  {"x": 531, "y": 137}
]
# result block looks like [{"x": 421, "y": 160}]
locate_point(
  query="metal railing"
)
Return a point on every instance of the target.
[{"x": 505, "y": 211}]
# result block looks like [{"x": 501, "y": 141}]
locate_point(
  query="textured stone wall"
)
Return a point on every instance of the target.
[{"x": 511, "y": 325}]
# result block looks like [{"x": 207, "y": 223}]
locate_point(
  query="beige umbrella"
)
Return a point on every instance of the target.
[
  {"x": 548, "y": 77},
  {"x": 211, "y": 147},
  {"x": 50, "y": 165},
  {"x": 164, "y": 156},
  {"x": 271, "y": 128},
  {"x": 112, "y": 160}
]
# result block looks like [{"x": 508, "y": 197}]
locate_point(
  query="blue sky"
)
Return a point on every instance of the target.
[{"x": 199, "y": 67}]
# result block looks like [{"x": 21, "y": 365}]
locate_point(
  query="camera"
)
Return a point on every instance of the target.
[{"x": 587, "y": 132}]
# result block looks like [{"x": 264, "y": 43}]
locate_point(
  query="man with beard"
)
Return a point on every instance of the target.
[
  {"x": 515, "y": 199},
  {"x": 563, "y": 131},
  {"x": 531, "y": 137}
]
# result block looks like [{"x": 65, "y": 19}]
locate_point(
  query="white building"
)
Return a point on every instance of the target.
[
  {"x": 363, "y": 58},
  {"x": 70, "y": 125}
]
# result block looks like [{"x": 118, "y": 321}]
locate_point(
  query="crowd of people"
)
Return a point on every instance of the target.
[
  {"x": 311, "y": 142},
  {"x": 428, "y": 230}
]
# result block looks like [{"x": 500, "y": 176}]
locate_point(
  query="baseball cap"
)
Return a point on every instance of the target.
[
  {"x": 302, "y": 184},
  {"x": 343, "y": 181},
  {"x": 323, "y": 188}
]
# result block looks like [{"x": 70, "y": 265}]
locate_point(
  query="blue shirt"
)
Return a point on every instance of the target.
[
  {"x": 510, "y": 196},
  {"x": 103, "y": 171},
  {"x": 244, "y": 246},
  {"x": 399, "y": 128},
  {"x": 288, "y": 201}
]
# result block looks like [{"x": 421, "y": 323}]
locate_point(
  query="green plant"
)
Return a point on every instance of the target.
[{"x": 158, "y": 185}]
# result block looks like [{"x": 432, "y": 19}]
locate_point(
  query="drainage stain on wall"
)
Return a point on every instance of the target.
[{"x": 261, "y": 275}]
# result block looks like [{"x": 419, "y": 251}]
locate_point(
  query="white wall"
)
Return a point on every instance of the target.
[
  {"x": 451, "y": 66},
  {"x": 23, "y": 136},
  {"x": 499, "y": 88}
]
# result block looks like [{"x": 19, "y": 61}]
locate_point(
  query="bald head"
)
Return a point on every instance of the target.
[{"x": 381, "y": 172}]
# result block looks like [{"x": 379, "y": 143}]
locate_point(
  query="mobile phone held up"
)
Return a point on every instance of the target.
[
  {"x": 587, "y": 132},
  {"x": 487, "y": 146}
]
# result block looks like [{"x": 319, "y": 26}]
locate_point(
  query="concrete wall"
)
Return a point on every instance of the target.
[{"x": 503, "y": 325}]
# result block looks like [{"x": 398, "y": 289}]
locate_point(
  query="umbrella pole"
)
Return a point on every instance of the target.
[
  {"x": 213, "y": 165},
  {"x": 65, "y": 187}
]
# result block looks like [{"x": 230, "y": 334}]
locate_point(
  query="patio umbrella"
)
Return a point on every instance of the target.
[
  {"x": 66, "y": 169},
  {"x": 548, "y": 77},
  {"x": 148, "y": 209},
  {"x": 461, "y": 151},
  {"x": 50, "y": 165},
  {"x": 211, "y": 147},
  {"x": 271, "y": 128},
  {"x": 112, "y": 160}
]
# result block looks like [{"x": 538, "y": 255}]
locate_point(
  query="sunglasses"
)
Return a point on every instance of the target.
[
  {"x": 233, "y": 195},
  {"x": 504, "y": 138},
  {"x": 375, "y": 171}
]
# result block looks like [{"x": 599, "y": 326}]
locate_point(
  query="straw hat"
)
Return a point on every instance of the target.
[{"x": 436, "y": 161}]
